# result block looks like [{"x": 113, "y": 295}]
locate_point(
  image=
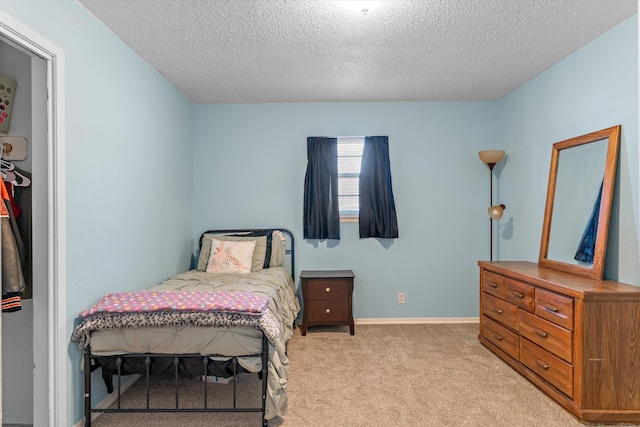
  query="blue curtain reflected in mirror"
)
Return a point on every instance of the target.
[{"x": 587, "y": 246}]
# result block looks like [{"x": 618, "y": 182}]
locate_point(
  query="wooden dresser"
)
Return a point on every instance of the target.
[
  {"x": 576, "y": 339},
  {"x": 327, "y": 298}
]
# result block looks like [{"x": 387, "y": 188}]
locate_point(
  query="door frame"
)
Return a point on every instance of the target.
[{"x": 54, "y": 332}]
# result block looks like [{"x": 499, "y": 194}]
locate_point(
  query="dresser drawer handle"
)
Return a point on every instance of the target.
[
  {"x": 518, "y": 295},
  {"x": 328, "y": 310},
  {"x": 542, "y": 364},
  {"x": 493, "y": 285},
  {"x": 542, "y": 334},
  {"x": 327, "y": 289},
  {"x": 497, "y": 310},
  {"x": 498, "y": 337},
  {"x": 552, "y": 308}
]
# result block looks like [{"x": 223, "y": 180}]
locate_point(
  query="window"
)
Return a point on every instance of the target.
[{"x": 349, "y": 160}]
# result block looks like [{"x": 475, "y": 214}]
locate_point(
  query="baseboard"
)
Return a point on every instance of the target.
[
  {"x": 409, "y": 320},
  {"x": 110, "y": 399},
  {"x": 17, "y": 418},
  {"x": 414, "y": 320}
]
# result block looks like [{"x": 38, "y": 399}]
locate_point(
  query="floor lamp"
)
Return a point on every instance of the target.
[{"x": 491, "y": 158}]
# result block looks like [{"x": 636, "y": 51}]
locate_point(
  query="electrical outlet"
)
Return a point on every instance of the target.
[{"x": 401, "y": 298}]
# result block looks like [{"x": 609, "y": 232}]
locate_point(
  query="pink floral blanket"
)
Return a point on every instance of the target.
[
  {"x": 161, "y": 309},
  {"x": 149, "y": 301}
]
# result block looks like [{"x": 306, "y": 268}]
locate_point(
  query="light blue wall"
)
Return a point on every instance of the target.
[
  {"x": 128, "y": 166},
  {"x": 440, "y": 184},
  {"x": 594, "y": 88},
  {"x": 250, "y": 162}
]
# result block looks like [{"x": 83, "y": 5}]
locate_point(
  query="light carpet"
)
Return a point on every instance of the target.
[{"x": 384, "y": 375}]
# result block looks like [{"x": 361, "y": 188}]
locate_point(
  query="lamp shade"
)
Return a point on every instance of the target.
[
  {"x": 496, "y": 212},
  {"x": 491, "y": 156}
]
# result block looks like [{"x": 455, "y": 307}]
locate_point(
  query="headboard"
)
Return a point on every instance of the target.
[{"x": 289, "y": 247}]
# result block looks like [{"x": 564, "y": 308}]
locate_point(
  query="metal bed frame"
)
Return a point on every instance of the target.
[
  {"x": 149, "y": 361},
  {"x": 176, "y": 362}
]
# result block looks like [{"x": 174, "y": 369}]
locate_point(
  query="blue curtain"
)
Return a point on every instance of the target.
[
  {"x": 377, "y": 206},
  {"x": 587, "y": 245},
  {"x": 321, "y": 210}
]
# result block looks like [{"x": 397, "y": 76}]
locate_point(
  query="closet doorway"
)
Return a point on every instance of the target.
[{"x": 33, "y": 342}]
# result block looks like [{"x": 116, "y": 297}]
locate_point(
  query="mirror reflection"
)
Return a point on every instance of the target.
[{"x": 576, "y": 203}]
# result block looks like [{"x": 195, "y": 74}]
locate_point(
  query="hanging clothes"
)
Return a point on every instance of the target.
[
  {"x": 21, "y": 205},
  {"x": 12, "y": 277}
]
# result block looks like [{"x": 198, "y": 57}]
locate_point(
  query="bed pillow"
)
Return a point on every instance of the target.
[
  {"x": 275, "y": 253},
  {"x": 278, "y": 242},
  {"x": 230, "y": 257},
  {"x": 259, "y": 252},
  {"x": 267, "y": 234}
]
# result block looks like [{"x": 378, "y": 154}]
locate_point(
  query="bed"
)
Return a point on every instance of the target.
[{"x": 233, "y": 313}]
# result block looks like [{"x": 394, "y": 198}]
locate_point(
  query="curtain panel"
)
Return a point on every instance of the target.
[
  {"x": 321, "y": 211},
  {"x": 377, "y": 206}
]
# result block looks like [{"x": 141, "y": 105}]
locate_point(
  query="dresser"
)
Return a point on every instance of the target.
[
  {"x": 327, "y": 296},
  {"x": 577, "y": 339}
]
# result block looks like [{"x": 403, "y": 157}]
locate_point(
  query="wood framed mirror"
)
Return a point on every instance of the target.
[{"x": 576, "y": 218}]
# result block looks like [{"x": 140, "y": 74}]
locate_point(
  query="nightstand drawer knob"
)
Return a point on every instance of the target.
[
  {"x": 327, "y": 289},
  {"x": 328, "y": 310}
]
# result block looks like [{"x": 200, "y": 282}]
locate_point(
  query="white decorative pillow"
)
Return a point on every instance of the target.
[
  {"x": 230, "y": 257},
  {"x": 259, "y": 252}
]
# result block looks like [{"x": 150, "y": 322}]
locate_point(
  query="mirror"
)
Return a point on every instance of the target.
[{"x": 579, "y": 194}]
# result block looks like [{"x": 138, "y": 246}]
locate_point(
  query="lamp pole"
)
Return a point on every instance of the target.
[{"x": 491, "y": 165}]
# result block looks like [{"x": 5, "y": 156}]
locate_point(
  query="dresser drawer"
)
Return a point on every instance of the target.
[
  {"x": 328, "y": 311},
  {"x": 322, "y": 289},
  {"x": 555, "y": 308},
  {"x": 500, "y": 310},
  {"x": 547, "y": 335},
  {"x": 500, "y": 336},
  {"x": 494, "y": 284},
  {"x": 552, "y": 369},
  {"x": 520, "y": 294}
]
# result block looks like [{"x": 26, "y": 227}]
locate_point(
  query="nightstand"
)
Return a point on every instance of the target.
[{"x": 327, "y": 298}]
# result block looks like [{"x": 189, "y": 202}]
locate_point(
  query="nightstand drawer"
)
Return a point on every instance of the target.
[
  {"x": 322, "y": 289},
  {"x": 329, "y": 311}
]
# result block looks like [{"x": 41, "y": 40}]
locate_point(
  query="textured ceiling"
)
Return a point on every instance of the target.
[{"x": 218, "y": 51}]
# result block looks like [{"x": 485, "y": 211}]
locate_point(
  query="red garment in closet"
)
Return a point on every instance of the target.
[{"x": 12, "y": 277}]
